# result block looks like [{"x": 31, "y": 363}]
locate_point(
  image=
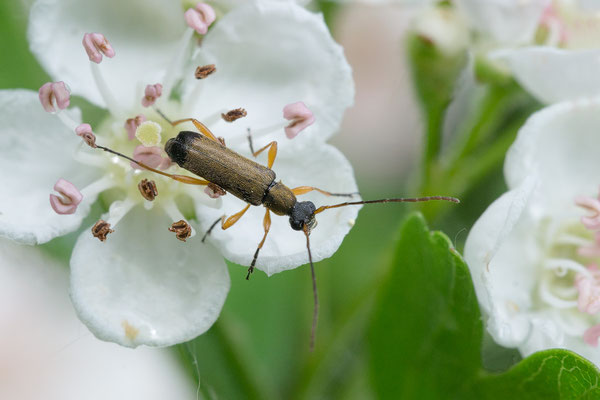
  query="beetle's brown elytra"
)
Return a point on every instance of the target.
[
  {"x": 243, "y": 178},
  {"x": 205, "y": 156}
]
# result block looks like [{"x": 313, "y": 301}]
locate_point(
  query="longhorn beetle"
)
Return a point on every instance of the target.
[{"x": 206, "y": 156}]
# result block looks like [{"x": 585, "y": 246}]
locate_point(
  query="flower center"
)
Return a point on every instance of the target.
[
  {"x": 571, "y": 277},
  {"x": 139, "y": 134}
]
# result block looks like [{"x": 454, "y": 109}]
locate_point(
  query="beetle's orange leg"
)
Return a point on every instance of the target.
[
  {"x": 305, "y": 189},
  {"x": 199, "y": 125},
  {"x": 226, "y": 223},
  {"x": 272, "y": 153},
  {"x": 266, "y": 226}
]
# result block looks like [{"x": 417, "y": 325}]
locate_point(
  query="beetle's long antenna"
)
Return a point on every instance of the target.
[
  {"x": 313, "y": 331},
  {"x": 397, "y": 200},
  {"x": 180, "y": 178}
]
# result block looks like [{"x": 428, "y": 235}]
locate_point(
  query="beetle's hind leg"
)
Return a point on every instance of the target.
[
  {"x": 200, "y": 126},
  {"x": 272, "y": 146},
  {"x": 226, "y": 223},
  {"x": 266, "y": 226}
]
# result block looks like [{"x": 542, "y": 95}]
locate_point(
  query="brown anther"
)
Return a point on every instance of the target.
[
  {"x": 234, "y": 114},
  {"x": 137, "y": 120},
  {"x": 221, "y": 140},
  {"x": 204, "y": 70},
  {"x": 148, "y": 189},
  {"x": 214, "y": 191},
  {"x": 182, "y": 230},
  {"x": 89, "y": 139},
  {"x": 101, "y": 229}
]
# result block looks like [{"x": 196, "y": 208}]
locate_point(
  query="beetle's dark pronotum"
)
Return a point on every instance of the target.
[{"x": 206, "y": 156}]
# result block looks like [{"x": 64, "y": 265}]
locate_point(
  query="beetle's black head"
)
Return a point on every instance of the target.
[
  {"x": 177, "y": 147},
  {"x": 303, "y": 214}
]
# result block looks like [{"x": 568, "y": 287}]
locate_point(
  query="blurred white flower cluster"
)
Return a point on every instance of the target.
[{"x": 534, "y": 253}]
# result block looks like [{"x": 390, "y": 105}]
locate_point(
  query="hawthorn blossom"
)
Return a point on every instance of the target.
[
  {"x": 534, "y": 253},
  {"x": 551, "y": 47},
  {"x": 142, "y": 285}
]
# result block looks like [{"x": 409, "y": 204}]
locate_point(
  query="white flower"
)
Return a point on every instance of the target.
[
  {"x": 142, "y": 285},
  {"x": 445, "y": 27},
  {"x": 551, "y": 47},
  {"x": 533, "y": 253}
]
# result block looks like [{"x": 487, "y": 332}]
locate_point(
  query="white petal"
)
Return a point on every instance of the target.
[
  {"x": 553, "y": 74},
  {"x": 506, "y": 21},
  {"x": 503, "y": 271},
  {"x": 35, "y": 151},
  {"x": 40, "y": 331},
  {"x": 559, "y": 145},
  {"x": 268, "y": 55},
  {"x": 545, "y": 334},
  {"x": 143, "y": 286},
  {"x": 324, "y": 167},
  {"x": 143, "y": 33}
]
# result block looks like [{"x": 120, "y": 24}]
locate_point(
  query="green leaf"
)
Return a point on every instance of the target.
[
  {"x": 426, "y": 335},
  {"x": 427, "y": 324},
  {"x": 19, "y": 67},
  {"x": 550, "y": 374}
]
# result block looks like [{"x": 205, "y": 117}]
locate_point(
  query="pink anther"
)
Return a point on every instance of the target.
[
  {"x": 551, "y": 20},
  {"x": 151, "y": 156},
  {"x": 85, "y": 132},
  {"x": 591, "y": 335},
  {"x": 152, "y": 93},
  {"x": 132, "y": 124},
  {"x": 214, "y": 191},
  {"x": 592, "y": 222},
  {"x": 69, "y": 198},
  {"x": 593, "y": 250},
  {"x": 300, "y": 117},
  {"x": 200, "y": 17},
  {"x": 588, "y": 286},
  {"x": 54, "y": 93},
  {"x": 96, "y": 45}
]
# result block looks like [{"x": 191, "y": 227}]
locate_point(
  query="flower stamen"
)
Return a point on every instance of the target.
[
  {"x": 151, "y": 94},
  {"x": 300, "y": 116},
  {"x": 101, "y": 229},
  {"x": 592, "y": 335},
  {"x": 85, "y": 132},
  {"x": 181, "y": 229},
  {"x": 204, "y": 70},
  {"x": 96, "y": 46},
  {"x": 148, "y": 189},
  {"x": 69, "y": 199},
  {"x": 591, "y": 222},
  {"x": 233, "y": 115},
  {"x": 588, "y": 286},
  {"x": 175, "y": 215},
  {"x": 151, "y": 156},
  {"x": 214, "y": 191},
  {"x": 54, "y": 95},
  {"x": 132, "y": 124},
  {"x": 200, "y": 17}
]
